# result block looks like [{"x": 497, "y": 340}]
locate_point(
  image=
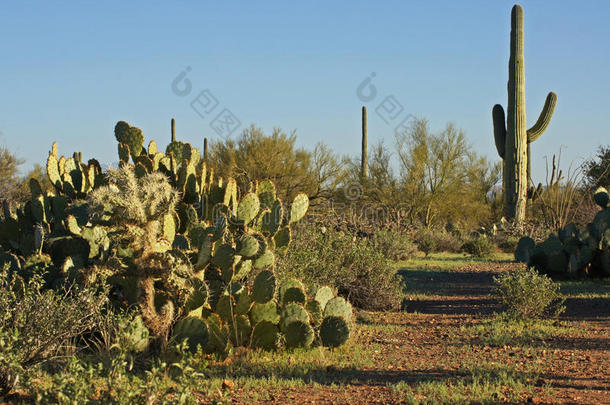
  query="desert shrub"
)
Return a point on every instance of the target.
[
  {"x": 426, "y": 242},
  {"x": 508, "y": 244},
  {"x": 525, "y": 294},
  {"x": 81, "y": 382},
  {"x": 479, "y": 247},
  {"x": 358, "y": 270},
  {"x": 9, "y": 170},
  {"x": 446, "y": 242},
  {"x": 431, "y": 240},
  {"x": 120, "y": 337},
  {"x": 393, "y": 244},
  {"x": 39, "y": 325}
]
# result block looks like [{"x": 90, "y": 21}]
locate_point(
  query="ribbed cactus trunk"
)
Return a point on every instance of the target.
[
  {"x": 173, "y": 130},
  {"x": 205, "y": 149},
  {"x": 511, "y": 137},
  {"x": 364, "y": 164},
  {"x": 515, "y": 159}
]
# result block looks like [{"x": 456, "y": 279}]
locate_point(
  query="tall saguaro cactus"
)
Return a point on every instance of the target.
[
  {"x": 511, "y": 137},
  {"x": 364, "y": 169}
]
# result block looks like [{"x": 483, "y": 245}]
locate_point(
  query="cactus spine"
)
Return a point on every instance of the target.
[
  {"x": 364, "y": 170},
  {"x": 512, "y": 138}
]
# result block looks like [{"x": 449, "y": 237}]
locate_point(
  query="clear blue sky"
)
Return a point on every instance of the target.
[{"x": 70, "y": 70}]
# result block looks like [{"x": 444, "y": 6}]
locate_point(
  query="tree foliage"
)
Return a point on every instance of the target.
[
  {"x": 598, "y": 168},
  {"x": 438, "y": 178},
  {"x": 255, "y": 156},
  {"x": 39, "y": 174},
  {"x": 9, "y": 179},
  {"x": 442, "y": 177}
]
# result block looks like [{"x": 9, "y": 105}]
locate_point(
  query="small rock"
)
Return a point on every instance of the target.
[{"x": 228, "y": 385}]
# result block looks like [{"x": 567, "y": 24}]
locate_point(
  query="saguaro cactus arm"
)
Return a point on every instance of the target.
[
  {"x": 544, "y": 120},
  {"x": 499, "y": 129},
  {"x": 512, "y": 138}
]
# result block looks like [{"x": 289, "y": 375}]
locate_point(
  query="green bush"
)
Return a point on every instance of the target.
[
  {"x": 479, "y": 247},
  {"x": 358, "y": 270},
  {"x": 426, "y": 243},
  {"x": 81, "y": 382},
  {"x": 508, "y": 244},
  {"x": 394, "y": 244},
  {"x": 432, "y": 240},
  {"x": 525, "y": 294},
  {"x": 39, "y": 326}
]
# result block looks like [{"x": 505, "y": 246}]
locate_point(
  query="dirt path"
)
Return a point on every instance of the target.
[
  {"x": 429, "y": 347},
  {"x": 579, "y": 369}
]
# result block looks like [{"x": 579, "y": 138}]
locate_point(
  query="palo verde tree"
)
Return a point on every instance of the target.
[
  {"x": 442, "y": 177},
  {"x": 255, "y": 156},
  {"x": 598, "y": 168},
  {"x": 9, "y": 179}
]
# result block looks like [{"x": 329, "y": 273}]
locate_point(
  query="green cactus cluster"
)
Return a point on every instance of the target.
[
  {"x": 177, "y": 242},
  {"x": 131, "y": 140},
  {"x": 71, "y": 177},
  {"x": 267, "y": 316},
  {"x": 47, "y": 233},
  {"x": 574, "y": 251}
]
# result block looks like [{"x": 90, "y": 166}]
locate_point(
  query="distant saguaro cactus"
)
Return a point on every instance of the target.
[
  {"x": 205, "y": 149},
  {"x": 173, "y": 130},
  {"x": 511, "y": 137},
  {"x": 364, "y": 170}
]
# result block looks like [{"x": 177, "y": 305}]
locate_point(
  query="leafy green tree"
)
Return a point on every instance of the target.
[
  {"x": 37, "y": 173},
  {"x": 381, "y": 186},
  {"x": 442, "y": 177},
  {"x": 255, "y": 156},
  {"x": 371, "y": 202},
  {"x": 9, "y": 179},
  {"x": 598, "y": 169}
]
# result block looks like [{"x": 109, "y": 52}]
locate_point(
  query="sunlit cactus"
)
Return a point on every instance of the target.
[{"x": 512, "y": 138}]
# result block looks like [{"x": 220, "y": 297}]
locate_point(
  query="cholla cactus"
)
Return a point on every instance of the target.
[{"x": 136, "y": 207}]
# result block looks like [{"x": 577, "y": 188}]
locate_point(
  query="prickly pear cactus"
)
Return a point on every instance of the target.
[
  {"x": 193, "y": 330},
  {"x": 267, "y": 316},
  {"x": 575, "y": 251},
  {"x": 130, "y": 136},
  {"x": 172, "y": 238}
]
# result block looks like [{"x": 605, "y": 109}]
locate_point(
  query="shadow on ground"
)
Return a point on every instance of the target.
[
  {"x": 586, "y": 309},
  {"x": 430, "y": 282},
  {"x": 471, "y": 293}
]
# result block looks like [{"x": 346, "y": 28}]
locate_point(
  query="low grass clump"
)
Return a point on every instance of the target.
[
  {"x": 507, "y": 331},
  {"x": 476, "y": 382}
]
